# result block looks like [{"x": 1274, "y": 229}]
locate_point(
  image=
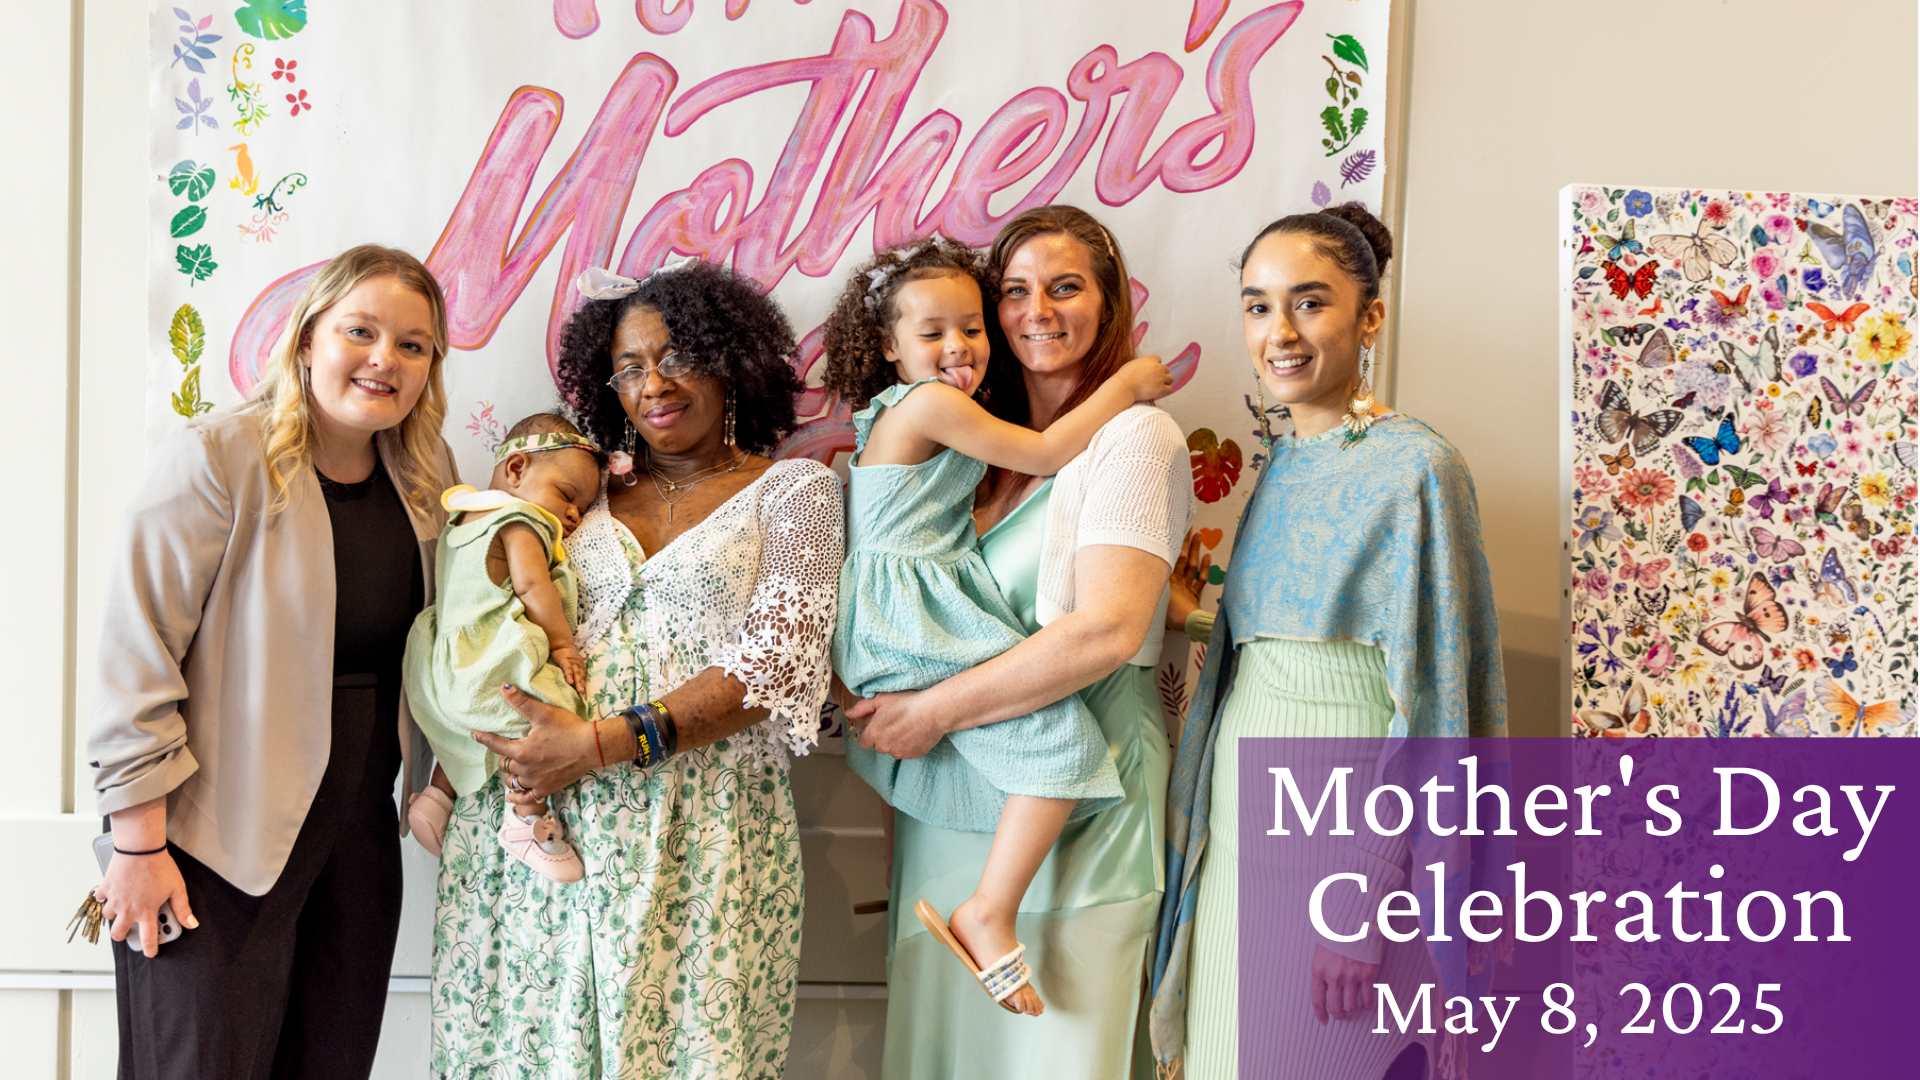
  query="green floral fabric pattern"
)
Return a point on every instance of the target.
[{"x": 678, "y": 955}]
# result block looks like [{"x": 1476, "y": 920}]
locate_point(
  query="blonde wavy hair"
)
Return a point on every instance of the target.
[{"x": 288, "y": 423}]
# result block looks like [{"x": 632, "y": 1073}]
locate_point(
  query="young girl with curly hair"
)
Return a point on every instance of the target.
[{"x": 906, "y": 347}]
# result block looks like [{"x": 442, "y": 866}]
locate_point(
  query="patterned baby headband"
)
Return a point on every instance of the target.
[
  {"x": 878, "y": 277},
  {"x": 597, "y": 284},
  {"x": 550, "y": 440}
]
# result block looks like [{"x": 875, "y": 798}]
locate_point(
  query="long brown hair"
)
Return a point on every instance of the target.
[
  {"x": 289, "y": 427},
  {"x": 1004, "y": 391}
]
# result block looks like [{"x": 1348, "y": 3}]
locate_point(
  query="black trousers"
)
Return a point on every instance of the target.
[{"x": 291, "y": 985}]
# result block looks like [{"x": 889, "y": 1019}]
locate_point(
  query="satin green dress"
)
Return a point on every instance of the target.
[{"x": 1087, "y": 921}]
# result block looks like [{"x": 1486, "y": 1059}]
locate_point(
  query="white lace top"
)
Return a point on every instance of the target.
[
  {"x": 750, "y": 590},
  {"x": 1132, "y": 486}
]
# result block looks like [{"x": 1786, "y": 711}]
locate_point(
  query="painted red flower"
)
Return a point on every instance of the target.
[
  {"x": 1645, "y": 489},
  {"x": 1696, "y": 542},
  {"x": 299, "y": 101},
  {"x": 283, "y": 69}
]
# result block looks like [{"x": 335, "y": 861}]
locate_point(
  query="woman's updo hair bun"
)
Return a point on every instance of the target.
[{"x": 1348, "y": 235}]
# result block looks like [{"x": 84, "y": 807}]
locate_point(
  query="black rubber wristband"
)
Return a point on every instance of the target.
[{"x": 118, "y": 850}]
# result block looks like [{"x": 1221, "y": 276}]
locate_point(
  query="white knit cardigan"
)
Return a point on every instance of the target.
[{"x": 1132, "y": 487}]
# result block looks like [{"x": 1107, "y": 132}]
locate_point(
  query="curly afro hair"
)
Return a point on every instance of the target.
[
  {"x": 862, "y": 319},
  {"x": 733, "y": 333}
]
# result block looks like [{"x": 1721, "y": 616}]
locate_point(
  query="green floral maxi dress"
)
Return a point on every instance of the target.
[{"x": 678, "y": 955}]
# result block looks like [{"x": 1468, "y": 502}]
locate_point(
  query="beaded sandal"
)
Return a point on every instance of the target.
[{"x": 1001, "y": 979}]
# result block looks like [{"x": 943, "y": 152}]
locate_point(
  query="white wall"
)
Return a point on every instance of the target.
[{"x": 1508, "y": 102}]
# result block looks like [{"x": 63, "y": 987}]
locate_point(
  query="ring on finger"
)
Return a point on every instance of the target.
[{"x": 513, "y": 785}]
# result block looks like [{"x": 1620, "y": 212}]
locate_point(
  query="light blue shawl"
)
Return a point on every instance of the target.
[{"x": 1378, "y": 542}]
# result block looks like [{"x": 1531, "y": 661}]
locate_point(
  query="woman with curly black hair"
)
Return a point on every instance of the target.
[{"x": 707, "y": 577}]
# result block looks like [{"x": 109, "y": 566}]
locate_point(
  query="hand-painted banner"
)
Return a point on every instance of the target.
[
  {"x": 1742, "y": 434},
  {"x": 515, "y": 144}
]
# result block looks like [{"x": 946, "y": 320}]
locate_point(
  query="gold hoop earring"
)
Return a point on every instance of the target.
[{"x": 1360, "y": 409}]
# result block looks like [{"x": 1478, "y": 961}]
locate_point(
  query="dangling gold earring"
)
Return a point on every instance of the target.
[
  {"x": 627, "y": 477},
  {"x": 729, "y": 419},
  {"x": 1260, "y": 410},
  {"x": 1360, "y": 409}
]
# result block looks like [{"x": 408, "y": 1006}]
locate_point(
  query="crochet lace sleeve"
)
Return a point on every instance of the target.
[
  {"x": 1139, "y": 491},
  {"x": 780, "y": 650}
]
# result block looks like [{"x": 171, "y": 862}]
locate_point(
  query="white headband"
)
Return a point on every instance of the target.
[
  {"x": 878, "y": 277},
  {"x": 595, "y": 283}
]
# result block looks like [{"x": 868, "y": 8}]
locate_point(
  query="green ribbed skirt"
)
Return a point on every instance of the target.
[{"x": 1288, "y": 689}]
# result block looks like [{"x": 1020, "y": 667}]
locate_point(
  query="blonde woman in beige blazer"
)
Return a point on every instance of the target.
[{"x": 249, "y": 720}]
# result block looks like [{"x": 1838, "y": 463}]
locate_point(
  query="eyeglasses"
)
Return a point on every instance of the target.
[{"x": 672, "y": 366}]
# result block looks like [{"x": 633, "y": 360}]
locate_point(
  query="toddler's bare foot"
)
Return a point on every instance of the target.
[{"x": 989, "y": 935}]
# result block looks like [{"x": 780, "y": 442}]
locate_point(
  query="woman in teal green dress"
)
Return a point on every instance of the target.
[
  {"x": 1082, "y": 559},
  {"x": 1357, "y": 612}
]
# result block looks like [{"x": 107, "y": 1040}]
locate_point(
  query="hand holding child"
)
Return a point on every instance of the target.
[
  {"x": 1150, "y": 379},
  {"x": 572, "y": 665}
]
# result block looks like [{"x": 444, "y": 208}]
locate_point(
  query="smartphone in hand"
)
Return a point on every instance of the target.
[{"x": 169, "y": 926}]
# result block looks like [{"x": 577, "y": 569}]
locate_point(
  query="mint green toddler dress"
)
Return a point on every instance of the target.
[
  {"x": 477, "y": 636},
  {"x": 918, "y": 605}
]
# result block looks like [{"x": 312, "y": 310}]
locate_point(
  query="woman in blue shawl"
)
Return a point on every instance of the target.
[{"x": 1358, "y": 608}]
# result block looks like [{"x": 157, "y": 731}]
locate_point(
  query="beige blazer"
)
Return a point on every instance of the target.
[{"x": 216, "y": 662}]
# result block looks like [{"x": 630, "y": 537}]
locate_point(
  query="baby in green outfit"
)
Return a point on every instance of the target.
[{"x": 505, "y": 608}]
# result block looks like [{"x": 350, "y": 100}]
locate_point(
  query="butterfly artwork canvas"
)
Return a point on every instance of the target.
[{"x": 1749, "y": 441}]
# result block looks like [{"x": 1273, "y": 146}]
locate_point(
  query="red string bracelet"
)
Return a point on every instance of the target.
[{"x": 596, "y": 744}]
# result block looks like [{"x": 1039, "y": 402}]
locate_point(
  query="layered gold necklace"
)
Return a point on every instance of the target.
[{"x": 663, "y": 486}]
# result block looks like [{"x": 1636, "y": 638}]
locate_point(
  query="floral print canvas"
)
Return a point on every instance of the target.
[{"x": 1741, "y": 445}]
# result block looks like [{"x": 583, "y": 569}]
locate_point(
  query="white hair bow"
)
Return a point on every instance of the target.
[{"x": 595, "y": 283}]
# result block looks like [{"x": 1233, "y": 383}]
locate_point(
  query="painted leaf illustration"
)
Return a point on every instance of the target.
[
  {"x": 277, "y": 19},
  {"x": 1321, "y": 195},
  {"x": 1216, "y": 575},
  {"x": 1358, "y": 166},
  {"x": 1216, "y": 465},
  {"x": 1358, "y": 122},
  {"x": 1347, "y": 48},
  {"x": 190, "y": 180},
  {"x": 196, "y": 262},
  {"x": 188, "y": 221},
  {"x": 187, "y": 335},
  {"x": 1336, "y": 127},
  {"x": 188, "y": 402},
  {"x": 1172, "y": 684}
]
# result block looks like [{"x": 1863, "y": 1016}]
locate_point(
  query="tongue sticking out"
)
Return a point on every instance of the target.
[{"x": 962, "y": 377}]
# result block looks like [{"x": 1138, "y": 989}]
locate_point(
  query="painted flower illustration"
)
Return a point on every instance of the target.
[
  {"x": 1874, "y": 488},
  {"x": 1803, "y": 364},
  {"x": 283, "y": 69},
  {"x": 1765, "y": 263},
  {"x": 299, "y": 102},
  {"x": 1779, "y": 226},
  {"x": 1823, "y": 444},
  {"x": 1639, "y": 203},
  {"x": 1645, "y": 489},
  {"x": 1773, "y": 298},
  {"x": 1803, "y": 659},
  {"x": 1596, "y": 524},
  {"x": 1696, "y": 542},
  {"x": 1884, "y": 340},
  {"x": 1769, "y": 431},
  {"x": 1813, "y": 280},
  {"x": 1659, "y": 658},
  {"x": 1717, "y": 212},
  {"x": 1592, "y": 478}
]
